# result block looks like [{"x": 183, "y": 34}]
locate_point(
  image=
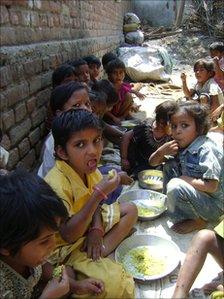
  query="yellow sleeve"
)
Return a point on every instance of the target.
[{"x": 62, "y": 188}]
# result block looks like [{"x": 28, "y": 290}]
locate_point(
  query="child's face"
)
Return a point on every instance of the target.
[
  {"x": 83, "y": 73},
  {"x": 99, "y": 108},
  {"x": 161, "y": 129},
  {"x": 117, "y": 76},
  {"x": 183, "y": 129},
  {"x": 36, "y": 252},
  {"x": 83, "y": 151},
  {"x": 94, "y": 71},
  {"x": 78, "y": 100},
  {"x": 201, "y": 74},
  {"x": 215, "y": 53}
]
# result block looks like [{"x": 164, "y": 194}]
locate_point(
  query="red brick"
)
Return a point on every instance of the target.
[
  {"x": 31, "y": 104},
  {"x": 24, "y": 147}
]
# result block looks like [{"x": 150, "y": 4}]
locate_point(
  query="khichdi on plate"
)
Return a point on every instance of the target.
[{"x": 148, "y": 257}]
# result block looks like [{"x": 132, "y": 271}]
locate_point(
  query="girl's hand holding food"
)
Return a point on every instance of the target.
[{"x": 57, "y": 287}]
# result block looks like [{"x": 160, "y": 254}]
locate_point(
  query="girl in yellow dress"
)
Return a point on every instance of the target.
[{"x": 94, "y": 229}]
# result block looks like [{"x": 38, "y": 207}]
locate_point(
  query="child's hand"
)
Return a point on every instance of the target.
[
  {"x": 125, "y": 179},
  {"x": 170, "y": 148},
  {"x": 140, "y": 95},
  {"x": 216, "y": 60},
  {"x": 89, "y": 286},
  {"x": 93, "y": 245},
  {"x": 183, "y": 77},
  {"x": 56, "y": 288},
  {"x": 108, "y": 185}
]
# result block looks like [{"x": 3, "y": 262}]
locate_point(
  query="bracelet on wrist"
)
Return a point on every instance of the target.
[
  {"x": 102, "y": 232},
  {"x": 96, "y": 188}
]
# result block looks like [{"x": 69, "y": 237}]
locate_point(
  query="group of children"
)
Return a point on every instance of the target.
[{"x": 68, "y": 212}]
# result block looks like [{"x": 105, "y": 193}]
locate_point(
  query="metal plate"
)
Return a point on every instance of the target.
[
  {"x": 162, "y": 248},
  {"x": 130, "y": 124},
  {"x": 151, "y": 199},
  {"x": 151, "y": 179}
]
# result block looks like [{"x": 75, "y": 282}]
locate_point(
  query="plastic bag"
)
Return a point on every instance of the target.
[
  {"x": 130, "y": 17},
  {"x": 134, "y": 38}
]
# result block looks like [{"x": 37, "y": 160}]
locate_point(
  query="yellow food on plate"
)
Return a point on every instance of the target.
[
  {"x": 57, "y": 272},
  {"x": 111, "y": 173},
  {"x": 139, "y": 261},
  {"x": 145, "y": 212}
]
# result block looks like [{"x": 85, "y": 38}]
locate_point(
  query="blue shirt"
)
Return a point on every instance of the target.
[{"x": 203, "y": 159}]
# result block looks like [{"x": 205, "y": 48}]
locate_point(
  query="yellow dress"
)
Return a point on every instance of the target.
[{"x": 69, "y": 186}]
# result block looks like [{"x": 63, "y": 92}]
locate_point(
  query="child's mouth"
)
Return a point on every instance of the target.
[{"x": 92, "y": 164}]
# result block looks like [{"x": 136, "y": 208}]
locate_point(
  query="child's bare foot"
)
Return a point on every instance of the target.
[{"x": 188, "y": 225}]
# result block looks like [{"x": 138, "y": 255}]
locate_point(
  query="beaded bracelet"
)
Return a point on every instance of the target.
[
  {"x": 97, "y": 228},
  {"x": 101, "y": 192}
]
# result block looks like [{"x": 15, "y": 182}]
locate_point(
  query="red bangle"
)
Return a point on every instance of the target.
[
  {"x": 97, "y": 228},
  {"x": 101, "y": 192}
]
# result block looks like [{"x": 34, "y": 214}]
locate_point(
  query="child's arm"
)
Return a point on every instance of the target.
[
  {"x": 168, "y": 148},
  {"x": 208, "y": 186},
  {"x": 112, "y": 131},
  {"x": 124, "y": 149},
  {"x": 77, "y": 225},
  {"x": 218, "y": 71},
  {"x": 138, "y": 94},
  {"x": 217, "y": 112},
  {"x": 112, "y": 117},
  {"x": 187, "y": 92},
  {"x": 214, "y": 103},
  {"x": 93, "y": 243}
]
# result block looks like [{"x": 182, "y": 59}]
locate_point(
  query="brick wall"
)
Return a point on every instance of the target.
[{"x": 37, "y": 36}]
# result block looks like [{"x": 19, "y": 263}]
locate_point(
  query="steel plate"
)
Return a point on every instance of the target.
[
  {"x": 154, "y": 177},
  {"x": 161, "y": 247},
  {"x": 151, "y": 199}
]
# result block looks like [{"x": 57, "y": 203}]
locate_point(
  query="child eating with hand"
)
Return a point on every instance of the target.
[
  {"x": 195, "y": 176},
  {"x": 30, "y": 215},
  {"x": 94, "y": 229}
]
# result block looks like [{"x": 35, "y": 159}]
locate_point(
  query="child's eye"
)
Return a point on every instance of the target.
[
  {"x": 76, "y": 105},
  {"x": 98, "y": 140},
  {"x": 79, "y": 145},
  {"x": 173, "y": 127},
  {"x": 184, "y": 126}
]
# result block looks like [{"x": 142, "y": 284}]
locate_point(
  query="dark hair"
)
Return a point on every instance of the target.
[
  {"x": 98, "y": 97},
  {"x": 28, "y": 204},
  {"x": 208, "y": 65},
  {"x": 114, "y": 64},
  {"x": 73, "y": 121},
  {"x": 199, "y": 112},
  {"x": 61, "y": 73},
  {"x": 76, "y": 64},
  {"x": 164, "y": 110},
  {"x": 91, "y": 59},
  {"x": 108, "y": 88},
  {"x": 107, "y": 58},
  {"x": 217, "y": 46},
  {"x": 62, "y": 93}
]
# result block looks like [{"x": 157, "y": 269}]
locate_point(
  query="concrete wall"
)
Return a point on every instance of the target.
[
  {"x": 37, "y": 36},
  {"x": 156, "y": 12}
]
